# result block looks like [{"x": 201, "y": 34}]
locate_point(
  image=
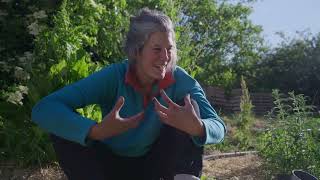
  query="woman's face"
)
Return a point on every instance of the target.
[{"x": 153, "y": 59}]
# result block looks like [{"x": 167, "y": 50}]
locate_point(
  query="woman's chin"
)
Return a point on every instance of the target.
[{"x": 160, "y": 77}]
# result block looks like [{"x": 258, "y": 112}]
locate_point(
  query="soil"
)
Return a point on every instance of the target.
[
  {"x": 233, "y": 168},
  {"x": 247, "y": 167}
]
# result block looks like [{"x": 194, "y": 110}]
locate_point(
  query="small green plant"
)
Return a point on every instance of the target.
[{"x": 291, "y": 143}]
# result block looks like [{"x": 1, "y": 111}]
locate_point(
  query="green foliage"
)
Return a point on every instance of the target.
[
  {"x": 19, "y": 22},
  {"x": 220, "y": 40},
  {"x": 292, "y": 143},
  {"x": 65, "y": 73},
  {"x": 293, "y": 66},
  {"x": 21, "y": 141}
]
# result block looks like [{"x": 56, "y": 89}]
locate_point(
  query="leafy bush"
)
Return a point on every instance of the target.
[
  {"x": 291, "y": 143},
  {"x": 20, "y": 140},
  {"x": 59, "y": 59}
]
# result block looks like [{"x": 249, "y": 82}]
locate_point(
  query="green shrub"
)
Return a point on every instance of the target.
[
  {"x": 291, "y": 143},
  {"x": 20, "y": 140},
  {"x": 59, "y": 59}
]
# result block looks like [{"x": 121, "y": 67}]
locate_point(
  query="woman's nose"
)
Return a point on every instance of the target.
[{"x": 165, "y": 55}]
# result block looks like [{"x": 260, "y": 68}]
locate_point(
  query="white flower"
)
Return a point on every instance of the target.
[
  {"x": 28, "y": 55},
  {"x": 34, "y": 28},
  {"x": 22, "y": 59},
  {"x": 19, "y": 73},
  {"x": 15, "y": 98},
  {"x": 23, "y": 89},
  {"x": 40, "y": 14}
]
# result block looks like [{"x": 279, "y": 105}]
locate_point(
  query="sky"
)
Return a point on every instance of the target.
[{"x": 286, "y": 16}]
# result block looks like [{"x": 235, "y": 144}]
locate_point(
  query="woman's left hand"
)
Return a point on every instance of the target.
[{"x": 184, "y": 118}]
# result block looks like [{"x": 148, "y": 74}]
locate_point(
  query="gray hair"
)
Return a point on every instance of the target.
[{"x": 142, "y": 26}]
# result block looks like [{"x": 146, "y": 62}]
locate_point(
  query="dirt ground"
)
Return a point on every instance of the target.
[
  {"x": 247, "y": 167},
  {"x": 234, "y": 168}
]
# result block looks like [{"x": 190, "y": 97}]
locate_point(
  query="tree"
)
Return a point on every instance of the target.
[
  {"x": 294, "y": 66},
  {"x": 218, "y": 40}
]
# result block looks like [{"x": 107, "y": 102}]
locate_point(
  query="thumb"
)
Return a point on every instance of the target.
[
  {"x": 117, "y": 107},
  {"x": 187, "y": 100},
  {"x": 195, "y": 107}
]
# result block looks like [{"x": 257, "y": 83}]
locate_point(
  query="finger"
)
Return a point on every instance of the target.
[
  {"x": 159, "y": 107},
  {"x": 167, "y": 99},
  {"x": 118, "y": 105},
  {"x": 134, "y": 121},
  {"x": 163, "y": 117},
  {"x": 187, "y": 101},
  {"x": 137, "y": 117}
]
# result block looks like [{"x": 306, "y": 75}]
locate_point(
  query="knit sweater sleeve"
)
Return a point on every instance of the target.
[
  {"x": 56, "y": 112},
  {"x": 215, "y": 128}
]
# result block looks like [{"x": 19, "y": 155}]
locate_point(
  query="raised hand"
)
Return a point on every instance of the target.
[
  {"x": 112, "y": 124},
  {"x": 186, "y": 118}
]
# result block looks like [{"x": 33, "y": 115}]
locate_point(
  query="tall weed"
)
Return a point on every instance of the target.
[
  {"x": 246, "y": 119},
  {"x": 291, "y": 143}
]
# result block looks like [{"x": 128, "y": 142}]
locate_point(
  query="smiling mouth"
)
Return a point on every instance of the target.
[{"x": 161, "y": 67}]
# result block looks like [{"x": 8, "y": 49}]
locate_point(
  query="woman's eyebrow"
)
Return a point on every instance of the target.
[{"x": 158, "y": 45}]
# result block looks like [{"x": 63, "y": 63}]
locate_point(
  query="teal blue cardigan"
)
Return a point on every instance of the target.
[{"x": 56, "y": 112}]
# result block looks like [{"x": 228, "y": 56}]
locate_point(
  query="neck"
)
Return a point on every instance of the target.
[{"x": 144, "y": 81}]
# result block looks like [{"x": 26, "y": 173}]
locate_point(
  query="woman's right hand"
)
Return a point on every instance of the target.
[{"x": 112, "y": 124}]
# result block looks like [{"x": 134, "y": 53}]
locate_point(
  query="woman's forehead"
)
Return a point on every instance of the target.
[{"x": 160, "y": 39}]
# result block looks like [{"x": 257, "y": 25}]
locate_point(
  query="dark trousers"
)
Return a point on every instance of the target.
[{"x": 173, "y": 153}]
